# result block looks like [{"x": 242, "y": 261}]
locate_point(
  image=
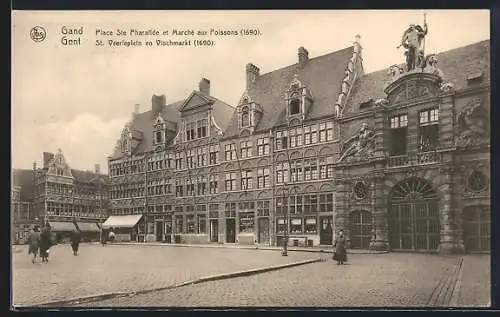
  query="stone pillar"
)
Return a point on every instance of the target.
[
  {"x": 448, "y": 242},
  {"x": 222, "y": 223},
  {"x": 380, "y": 214},
  {"x": 446, "y": 115},
  {"x": 341, "y": 212}
]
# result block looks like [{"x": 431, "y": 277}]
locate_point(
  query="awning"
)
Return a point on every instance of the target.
[
  {"x": 88, "y": 226},
  {"x": 127, "y": 221},
  {"x": 61, "y": 226}
]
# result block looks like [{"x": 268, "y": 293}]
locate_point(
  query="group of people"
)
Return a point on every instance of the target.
[{"x": 40, "y": 241}]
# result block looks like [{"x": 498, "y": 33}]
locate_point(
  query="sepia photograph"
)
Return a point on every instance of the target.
[{"x": 250, "y": 159}]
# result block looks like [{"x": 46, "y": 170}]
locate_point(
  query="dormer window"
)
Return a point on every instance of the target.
[
  {"x": 298, "y": 99},
  {"x": 249, "y": 114},
  {"x": 294, "y": 106},
  {"x": 475, "y": 79}
]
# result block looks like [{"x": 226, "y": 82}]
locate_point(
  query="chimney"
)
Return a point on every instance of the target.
[
  {"x": 136, "y": 109},
  {"x": 47, "y": 157},
  {"x": 158, "y": 103},
  {"x": 34, "y": 166},
  {"x": 303, "y": 56},
  {"x": 204, "y": 86},
  {"x": 97, "y": 169},
  {"x": 252, "y": 74}
]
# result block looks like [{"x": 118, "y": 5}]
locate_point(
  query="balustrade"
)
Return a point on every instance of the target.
[{"x": 422, "y": 158}]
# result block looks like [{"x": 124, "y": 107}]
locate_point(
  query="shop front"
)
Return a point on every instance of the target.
[
  {"x": 89, "y": 231},
  {"x": 126, "y": 228},
  {"x": 61, "y": 230}
]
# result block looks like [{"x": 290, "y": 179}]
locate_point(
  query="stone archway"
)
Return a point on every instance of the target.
[{"x": 414, "y": 216}]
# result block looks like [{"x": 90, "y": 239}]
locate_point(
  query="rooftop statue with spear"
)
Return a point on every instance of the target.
[{"x": 413, "y": 41}]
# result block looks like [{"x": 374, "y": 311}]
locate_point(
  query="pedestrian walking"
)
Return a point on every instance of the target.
[
  {"x": 45, "y": 244},
  {"x": 340, "y": 254},
  {"x": 34, "y": 243},
  {"x": 111, "y": 236},
  {"x": 75, "y": 241}
]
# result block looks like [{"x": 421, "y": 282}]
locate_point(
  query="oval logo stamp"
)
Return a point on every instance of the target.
[{"x": 38, "y": 34}]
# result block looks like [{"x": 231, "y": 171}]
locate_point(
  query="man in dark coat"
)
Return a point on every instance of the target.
[
  {"x": 340, "y": 254},
  {"x": 34, "y": 243},
  {"x": 45, "y": 244},
  {"x": 75, "y": 241}
]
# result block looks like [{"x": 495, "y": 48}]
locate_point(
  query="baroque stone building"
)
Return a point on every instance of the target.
[
  {"x": 68, "y": 199},
  {"x": 398, "y": 159}
]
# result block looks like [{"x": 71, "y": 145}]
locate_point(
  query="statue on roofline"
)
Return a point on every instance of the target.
[{"x": 413, "y": 41}]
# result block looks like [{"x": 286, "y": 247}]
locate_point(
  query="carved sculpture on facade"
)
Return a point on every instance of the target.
[
  {"x": 412, "y": 41},
  {"x": 359, "y": 145},
  {"x": 472, "y": 123},
  {"x": 430, "y": 66},
  {"x": 382, "y": 102},
  {"x": 446, "y": 87},
  {"x": 394, "y": 72},
  {"x": 349, "y": 77}
]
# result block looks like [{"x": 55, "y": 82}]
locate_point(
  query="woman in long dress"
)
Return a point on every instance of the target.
[{"x": 340, "y": 254}]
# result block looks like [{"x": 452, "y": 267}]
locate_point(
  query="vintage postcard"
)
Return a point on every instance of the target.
[{"x": 251, "y": 159}]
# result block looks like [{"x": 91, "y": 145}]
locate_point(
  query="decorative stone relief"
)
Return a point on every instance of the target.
[
  {"x": 475, "y": 180},
  {"x": 359, "y": 146},
  {"x": 472, "y": 123},
  {"x": 360, "y": 189}
]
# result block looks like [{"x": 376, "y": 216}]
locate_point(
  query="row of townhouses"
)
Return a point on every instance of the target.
[{"x": 397, "y": 158}]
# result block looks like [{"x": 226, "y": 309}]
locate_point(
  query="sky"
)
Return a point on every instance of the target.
[{"x": 78, "y": 98}]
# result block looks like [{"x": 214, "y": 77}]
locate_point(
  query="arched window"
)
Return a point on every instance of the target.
[
  {"x": 245, "y": 117},
  {"x": 414, "y": 216},
  {"x": 294, "y": 106}
]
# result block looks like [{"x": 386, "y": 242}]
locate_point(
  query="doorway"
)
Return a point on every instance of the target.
[
  {"x": 360, "y": 229},
  {"x": 326, "y": 231},
  {"x": 230, "y": 230},
  {"x": 414, "y": 216},
  {"x": 159, "y": 231},
  {"x": 214, "y": 230},
  {"x": 263, "y": 227},
  {"x": 477, "y": 228}
]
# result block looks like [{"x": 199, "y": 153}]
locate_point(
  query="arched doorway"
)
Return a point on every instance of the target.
[
  {"x": 414, "y": 216},
  {"x": 360, "y": 229},
  {"x": 477, "y": 228}
]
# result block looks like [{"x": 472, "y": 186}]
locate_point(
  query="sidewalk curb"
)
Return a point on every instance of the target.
[
  {"x": 242, "y": 247},
  {"x": 223, "y": 276}
]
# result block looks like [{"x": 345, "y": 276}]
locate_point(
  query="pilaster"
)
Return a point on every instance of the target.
[
  {"x": 381, "y": 239},
  {"x": 448, "y": 241}
]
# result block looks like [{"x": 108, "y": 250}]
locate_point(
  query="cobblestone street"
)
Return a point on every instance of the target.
[
  {"x": 394, "y": 279},
  {"x": 115, "y": 268}
]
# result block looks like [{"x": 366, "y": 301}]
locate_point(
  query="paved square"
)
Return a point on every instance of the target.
[
  {"x": 384, "y": 280},
  {"x": 119, "y": 268}
]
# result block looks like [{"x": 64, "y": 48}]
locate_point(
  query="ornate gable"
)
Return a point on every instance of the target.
[
  {"x": 58, "y": 166},
  {"x": 195, "y": 100}
]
